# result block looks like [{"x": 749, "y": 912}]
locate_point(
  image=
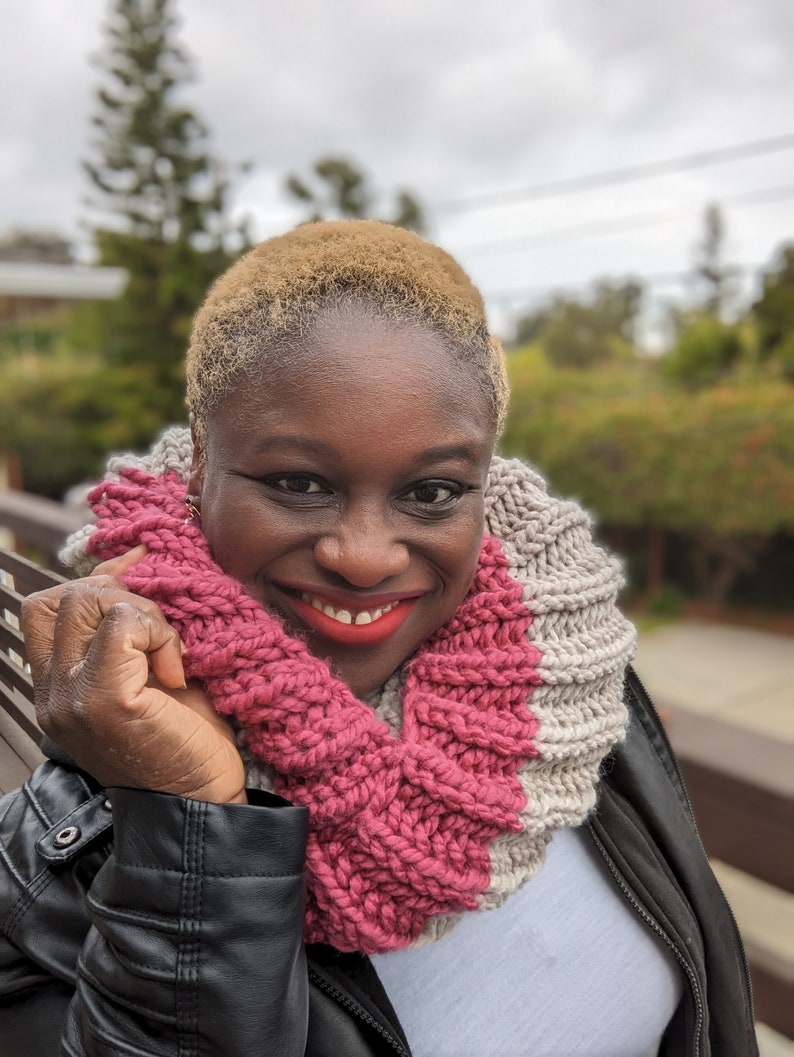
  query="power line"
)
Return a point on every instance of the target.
[
  {"x": 526, "y": 293},
  {"x": 611, "y": 177},
  {"x": 617, "y": 225}
]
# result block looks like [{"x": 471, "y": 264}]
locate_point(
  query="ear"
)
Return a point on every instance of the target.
[{"x": 198, "y": 465}]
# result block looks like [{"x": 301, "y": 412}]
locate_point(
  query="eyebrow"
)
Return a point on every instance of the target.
[
  {"x": 293, "y": 441},
  {"x": 450, "y": 452},
  {"x": 315, "y": 446}
]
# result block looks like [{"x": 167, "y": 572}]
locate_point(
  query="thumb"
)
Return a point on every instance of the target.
[{"x": 115, "y": 567}]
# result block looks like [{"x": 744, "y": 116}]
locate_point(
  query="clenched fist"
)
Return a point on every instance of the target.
[{"x": 109, "y": 688}]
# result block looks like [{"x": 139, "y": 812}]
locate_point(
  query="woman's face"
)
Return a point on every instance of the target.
[{"x": 345, "y": 490}]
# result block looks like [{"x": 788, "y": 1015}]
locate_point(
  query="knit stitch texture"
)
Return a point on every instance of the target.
[{"x": 440, "y": 793}]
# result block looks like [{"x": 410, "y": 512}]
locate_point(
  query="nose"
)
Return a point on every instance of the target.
[{"x": 363, "y": 550}]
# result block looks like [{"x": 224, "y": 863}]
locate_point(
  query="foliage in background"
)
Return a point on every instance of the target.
[
  {"x": 714, "y": 278},
  {"x": 774, "y": 315},
  {"x": 91, "y": 409},
  {"x": 586, "y": 333},
  {"x": 706, "y": 352},
  {"x": 109, "y": 375},
  {"x": 162, "y": 197},
  {"x": 715, "y": 466},
  {"x": 337, "y": 188},
  {"x": 720, "y": 458}
]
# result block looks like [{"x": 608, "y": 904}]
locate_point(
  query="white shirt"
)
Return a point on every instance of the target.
[{"x": 564, "y": 968}]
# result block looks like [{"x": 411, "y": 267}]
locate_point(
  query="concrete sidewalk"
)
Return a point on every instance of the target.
[{"x": 745, "y": 678}]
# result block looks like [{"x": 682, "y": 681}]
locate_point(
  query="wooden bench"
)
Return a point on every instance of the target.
[
  {"x": 19, "y": 733},
  {"x": 740, "y": 784}
]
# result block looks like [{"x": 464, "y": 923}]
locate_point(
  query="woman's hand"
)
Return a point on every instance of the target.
[{"x": 110, "y": 690}]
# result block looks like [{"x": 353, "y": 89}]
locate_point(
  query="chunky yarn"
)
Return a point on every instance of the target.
[{"x": 439, "y": 794}]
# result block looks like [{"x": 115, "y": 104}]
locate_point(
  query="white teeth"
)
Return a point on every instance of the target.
[{"x": 347, "y": 616}]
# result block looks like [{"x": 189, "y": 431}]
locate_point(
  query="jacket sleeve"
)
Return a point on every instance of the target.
[{"x": 183, "y": 937}]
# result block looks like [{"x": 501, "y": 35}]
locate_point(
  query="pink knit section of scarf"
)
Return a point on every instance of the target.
[{"x": 400, "y": 827}]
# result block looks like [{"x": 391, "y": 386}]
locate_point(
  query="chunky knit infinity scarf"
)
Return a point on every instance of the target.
[{"x": 439, "y": 794}]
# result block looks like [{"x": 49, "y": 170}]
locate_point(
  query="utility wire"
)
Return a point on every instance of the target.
[
  {"x": 617, "y": 225},
  {"x": 611, "y": 177},
  {"x": 526, "y": 293}
]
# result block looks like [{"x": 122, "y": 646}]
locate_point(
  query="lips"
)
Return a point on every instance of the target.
[{"x": 341, "y": 622}]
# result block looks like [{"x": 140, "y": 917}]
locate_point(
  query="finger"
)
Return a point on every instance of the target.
[
  {"x": 105, "y": 688},
  {"x": 115, "y": 567},
  {"x": 37, "y": 618},
  {"x": 195, "y": 697},
  {"x": 39, "y": 614},
  {"x": 81, "y": 616},
  {"x": 59, "y": 625}
]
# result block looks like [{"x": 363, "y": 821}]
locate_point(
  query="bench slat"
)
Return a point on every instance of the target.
[
  {"x": 10, "y": 599},
  {"x": 13, "y": 674},
  {"x": 27, "y": 575},
  {"x": 19, "y": 707},
  {"x": 11, "y": 638},
  {"x": 19, "y": 577}
]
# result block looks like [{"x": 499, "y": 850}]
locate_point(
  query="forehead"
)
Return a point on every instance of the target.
[{"x": 353, "y": 365}]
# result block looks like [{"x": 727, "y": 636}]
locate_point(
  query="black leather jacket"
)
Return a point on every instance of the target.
[{"x": 134, "y": 923}]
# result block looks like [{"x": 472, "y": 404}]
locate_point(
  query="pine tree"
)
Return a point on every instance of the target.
[
  {"x": 160, "y": 195},
  {"x": 338, "y": 188},
  {"x": 715, "y": 278},
  {"x": 774, "y": 314}
]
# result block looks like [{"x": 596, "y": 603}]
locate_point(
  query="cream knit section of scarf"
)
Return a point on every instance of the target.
[{"x": 570, "y": 585}]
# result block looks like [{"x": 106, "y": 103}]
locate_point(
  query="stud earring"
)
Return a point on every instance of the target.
[{"x": 193, "y": 509}]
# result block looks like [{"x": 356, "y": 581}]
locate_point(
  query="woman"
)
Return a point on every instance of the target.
[{"x": 344, "y": 692}]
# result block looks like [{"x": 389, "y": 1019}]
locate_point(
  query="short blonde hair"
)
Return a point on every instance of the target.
[{"x": 275, "y": 293}]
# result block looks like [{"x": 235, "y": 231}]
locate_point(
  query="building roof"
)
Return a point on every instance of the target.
[{"x": 69, "y": 282}]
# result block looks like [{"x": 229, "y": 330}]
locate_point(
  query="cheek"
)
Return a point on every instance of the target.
[
  {"x": 246, "y": 532},
  {"x": 234, "y": 527},
  {"x": 461, "y": 555}
]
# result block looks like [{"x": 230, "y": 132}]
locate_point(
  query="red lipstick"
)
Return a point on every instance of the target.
[{"x": 371, "y": 634}]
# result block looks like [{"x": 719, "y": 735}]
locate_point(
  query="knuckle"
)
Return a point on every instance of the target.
[
  {"x": 74, "y": 594},
  {"x": 37, "y": 605},
  {"x": 124, "y": 612},
  {"x": 105, "y": 580}
]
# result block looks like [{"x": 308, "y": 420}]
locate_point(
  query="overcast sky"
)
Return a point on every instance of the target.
[{"x": 453, "y": 99}]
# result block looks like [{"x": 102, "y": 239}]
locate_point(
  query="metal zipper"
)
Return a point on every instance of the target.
[
  {"x": 356, "y": 1009},
  {"x": 679, "y": 955},
  {"x": 651, "y": 708}
]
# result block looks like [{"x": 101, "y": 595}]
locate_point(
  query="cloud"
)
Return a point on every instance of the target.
[{"x": 448, "y": 98}]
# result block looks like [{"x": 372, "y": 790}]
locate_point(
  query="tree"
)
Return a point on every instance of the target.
[
  {"x": 712, "y": 467},
  {"x": 585, "y": 334},
  {"x": 774, "y": 314},
  {"x": 90, "y": 409},
  {"x": 706, "y": 352},
  {"x": 162, "y": 196},
  {"x": 712, "y": 275},
  {"x": 338, "y": 188}
]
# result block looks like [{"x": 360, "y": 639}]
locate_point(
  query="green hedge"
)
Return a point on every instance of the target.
[
  {"x": 637, "y": 454},
  {"x": 63, "y": 417}
]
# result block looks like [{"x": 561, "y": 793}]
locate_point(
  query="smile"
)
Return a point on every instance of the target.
[
  {"x": 347, "y": 625},
  {"x": 348, "y": 616}
]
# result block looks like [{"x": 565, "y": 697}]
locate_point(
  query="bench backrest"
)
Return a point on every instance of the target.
[{"x": 18, "y": 728}]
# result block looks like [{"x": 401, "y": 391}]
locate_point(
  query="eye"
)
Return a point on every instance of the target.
[
  {"x": 434, "y": 493},
  {"x": 295, "y": 484}
]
